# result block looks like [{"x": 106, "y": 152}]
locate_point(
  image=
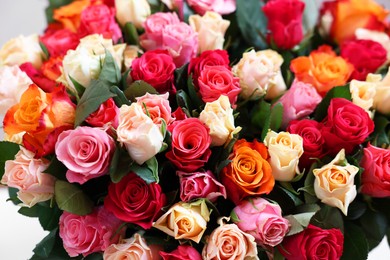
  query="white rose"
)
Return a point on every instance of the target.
[
  {"x": 134, "y": 11},
  {"x": 363, "y": 93},
  {"x": 382, "y": 96}
]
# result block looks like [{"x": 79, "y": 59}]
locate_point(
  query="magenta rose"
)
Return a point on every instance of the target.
[
  {"x": 58, "y": 42},
  {"x": 313, "y": 243},
  {"x": 284, "y": 22},
  {"x": 190, "y": 144},
  {"x": 38, "y": 77},
  {"x": 200, "y": 185},
  {"x": 218, "y": 6},
  {"x": 86, "y": 152},
  {"x": 91, "y": 233},
  {"x": 346, "y": 126},
  {"x": 134, "y": 201},
  {"x": 182, "y": 252},
  {"x": 299, "y": 101},
  {"x": 106, "y": 115},
  {"x": 156, "y": 68},
  {"x": 215, "y": 81},
  {"x": 263, "y": 220},
  {"x": 376, "y": 175}
]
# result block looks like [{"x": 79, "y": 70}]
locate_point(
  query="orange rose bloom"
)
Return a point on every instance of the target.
[
  {"x": 51, "y": 68},
  {"x": 248, "y": 173},
  {"x": 323, "y": 69}
]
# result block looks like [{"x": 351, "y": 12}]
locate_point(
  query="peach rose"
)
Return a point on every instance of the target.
[
  {"x": 334, "y": 183},
  {"x": 158, "y": 107},
  {"x": 133, "y": 11},
  {"x": 69, "y": 15}
]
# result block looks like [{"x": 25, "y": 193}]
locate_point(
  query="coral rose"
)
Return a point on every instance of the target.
[
  {"x": 58, "y": 42},
  {"x": 69, "y": 15}
]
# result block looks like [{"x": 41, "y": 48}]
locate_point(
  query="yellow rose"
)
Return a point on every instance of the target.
[
  {"x": 133, "y": 11},
  {"x": 334, "y": 183},
  {"x": 363, "y": 93}
]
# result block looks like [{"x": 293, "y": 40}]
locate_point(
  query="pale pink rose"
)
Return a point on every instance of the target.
[
  {"x": 91, "y": 233},
  {"x": 158, "y": 107},
  {"x": 86, "y": 152},
  {"x": 27, "y": 175},
  {"x": 218, "y": 6},
  {"x": 200, "y": 185},
  {"x": 299, "y": 101},
  {"x": 263, "y": 220}
]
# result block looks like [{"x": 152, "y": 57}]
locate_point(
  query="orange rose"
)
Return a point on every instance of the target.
[
  {"x": 51, "y": 68},
  {"x": 248, "y": 173},
  {"x": 322, "y": 68}
]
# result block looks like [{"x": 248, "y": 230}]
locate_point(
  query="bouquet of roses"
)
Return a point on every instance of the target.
[{"x": 212, "y": 129}]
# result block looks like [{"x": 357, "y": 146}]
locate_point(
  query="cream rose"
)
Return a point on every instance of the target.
[
  {"x": 131, "y": 52},
  {"x": 20, "y": 50},
  {"x": 382, "y": 96},
  {"x": 363, "y": 93},
  {"x": 185, "y": 221},
  {"x": 334, "y": 183},
  {"x": 137, "y": 132},
  {"x": 211, "y": 29},
  {"x": 376, "y": 36},
  {"x": 218, "y": 116},
  {"x": 27, "y": 175},
  {"x": 284, "y": 149},
  {"x": 133, "y": 11},
  {"x": 228, "y": 242}
]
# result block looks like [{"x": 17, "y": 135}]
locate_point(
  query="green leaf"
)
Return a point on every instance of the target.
[
  {"x": 184, "y": 101},
  {"x": 276, "y": 116},
  {"x": 181, "y": 76},
  {"x": 123, "y": 83},
  {"x": 8, "y": 152},
  {"x": 45, "y": 247},
  {"x": 110, "y": 72},
  {"x": 310, "y": 15},
  {"x": 131, "y": 34},
  {"x": 13, "y": 196},
  {"x": 79, "y": 88},
  {"x": 234, "y": 217},
  {"x": 292, "y": 196},
  {"x": 71, "y": 198},
  {"x": 49, "y": 217},
  {"x": 144, "y": 172},
  {"x": 374, "y": 225},
  {"x": 380, "y": 133},
  {"x": 295, "y": 226},
  {"x": 138, "y": 89},
  {"x": 120, "y": 164},
  {"x": 196, "y": 100},
  {"x": 44, "y": 50},
  {"x": 261, "y": 117},
  {"x": 57, "y": 169},
  {"x": 94, "y": 256},
  {"x": 355, "y": 243},
  {"x": 119, "y": 98},
  {"x": 32, "y": 212},
  {"x": 328, "y": 217},
  {"x": 337, "y": 92},
  {"x": 152, "y": 164}
]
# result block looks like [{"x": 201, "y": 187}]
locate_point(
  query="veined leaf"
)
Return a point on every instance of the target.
[
  {"x": 138, "y": 89},
  {"x": 8, "y": 152},
  {"x": 322, "y": 109},
  {"x": 110, "y": 72}
]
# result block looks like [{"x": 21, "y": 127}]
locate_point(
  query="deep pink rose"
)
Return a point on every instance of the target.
[
  {"x": 106, "y": 115},
  {"x": 86, "y": 152},
  {"x": 299, "y": 101},
  {"x": 190, "y": 144},
  {"x": 218, "y": 6},
  {"x": 263, "y": 220},
  {"x": 376, "y": 175},
  {"x": 134, "y": 201},
  {"x": 58, "y": 42},
  {"x": 38, "y": 77},
  {"x": 215, "y": 81},
  {"x": 158, "y": 107},
  {"x": 179, "y": 114},
  {"x": 156, "y": 68},
  {"x": 88, "y": 234},
  {"x": 284, "y": 22},
  {"x": 182, "y": 252},
  {"x": 313, "y": 243},
  {"x": 346, "y": 126},
  {"x": 200, "y": 185}
]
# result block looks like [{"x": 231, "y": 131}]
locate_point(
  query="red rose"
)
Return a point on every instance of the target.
[
  {"x": 284, "y": 22},
  {"x": 365, "y": 55},
  {"x": 156, "y": 68},
  {"x": 99, "y": 19},
  {"x": 190, "y": 144},
  {"x": 313, "y": 141},
  {"x": 215, "y": 81},
  {"x": 313, "y": 243},
  {"x": 58, "y": 42},
  {"x": 38, "y": 78},
  {"x": 134, "y": 201},
  {"x": 106, "y": 114},
  {"x": 346, "y": 126},
  {"x": 376, "y": 175},
  {"x": 182, "y": 253}
]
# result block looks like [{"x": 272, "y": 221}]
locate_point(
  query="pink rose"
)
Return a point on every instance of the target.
[
  {"x": 376, "y": 175},
  {"x": 200, "y": 185},
  {"x": 88, "y": 234},
  {"x": 107, "y": 114},
  {"x": 218, "y": 6},
  {"x": 158, "y": 107},
  {"x": 299, "y": 101},
  {"x": 86, "y": 152},
  {"x": 58, "y": 42},
  {"x": 263, "y": 220},
  {"x": 182, "y": 252}
]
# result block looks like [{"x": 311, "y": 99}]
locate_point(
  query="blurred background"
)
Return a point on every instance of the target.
[{"x": 19, "y": 234}]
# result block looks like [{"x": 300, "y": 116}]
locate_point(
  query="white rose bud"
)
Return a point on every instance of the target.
[{"x": 134, "y": 11}]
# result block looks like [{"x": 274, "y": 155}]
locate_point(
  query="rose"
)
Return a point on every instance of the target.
[
  {"x": 363, "y": 92},
  {"x": 263, "y": 220},
  {"x": 376, "y": 175},
  {"x": 131, "y": 53},
  {"x": 134, "y": 248},
  {"x": 106, "y": 115},
  {"x": 190, "y": 144},
  {"x": 182, "y": 252},
  {"x": 334, "y": 183},
  {"x": 365, "y": 55},
  {"x": 284, "y": 149},
  {"x": 90, "y": 233},
  {"x": 313, "y": 243},
  {"x": 184, "y": 221},
  {"x": 284, "y": 22},
  {"x": 134, "y": 201},
  {"x": 346, "y": 126},
  {"x": 248, "y": 173},
  {"x": 133, "y": 11},
  {"x": 38, "y": 78},
  {"x": 69, "y": 15},
  {"x": 51, "y": 69},
  {"x": 218, "y": 117},
  {"x": 228, "y": 242},
  {"x": 158, "y": 107},
  {"x": 28, "y": 176},
  {"x": 211, "y": 29},
  {"x": 58, "y": 42},
  {"x": 99, "y": 19},
  {"x": 299, "y": 101},
  {"x": 200, "y": 184},
  {"x": 382, "y": 95},
  {"x": 380, "y": 37},
  {"x": 313, "y": 141},
  {"x": 156, "y": 68},
  {"x": 86, "y": 152},
  {"x": 137, "y": 132},
  {"x": 218, "y": 6},
  {"x": 20, "y": 50},
  {"x": 179, "y": 114}
]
